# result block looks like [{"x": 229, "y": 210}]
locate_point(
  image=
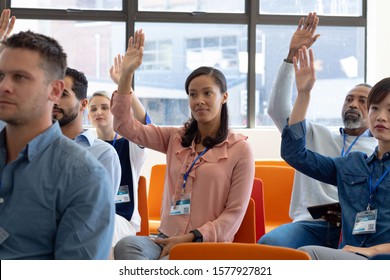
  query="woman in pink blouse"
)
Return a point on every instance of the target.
[{"x": 210, "y": 169}]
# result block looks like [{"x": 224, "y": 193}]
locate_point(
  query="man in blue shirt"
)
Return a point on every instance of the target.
[
  {"x": 55, "y": 199},
  {"x": 69, "y": 111}
]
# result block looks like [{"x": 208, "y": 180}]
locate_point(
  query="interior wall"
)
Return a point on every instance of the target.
[{"x": 378, "y": 40}]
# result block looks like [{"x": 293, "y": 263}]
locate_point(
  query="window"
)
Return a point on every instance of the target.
[
  {"x": 69, "y": 4},
  {"x": 170, "y": 57},
  {"x": 229, "y": 6},
  {"x": 247, "y": 46},
  {"x": 322, "y": 7}
]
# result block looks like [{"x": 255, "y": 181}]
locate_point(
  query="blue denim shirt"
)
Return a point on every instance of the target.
[
  {"x": 351, "y": 175},
  {"x": 55, "y": 201}
]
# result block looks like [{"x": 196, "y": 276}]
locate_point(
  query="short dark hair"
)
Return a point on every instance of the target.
[
  {"x": 52, "y": 54},
  {"x": 191, "y": 126},
  {"x": 378, "y": 92},
  {"x": 364, "y": 85},
  {"x": 80, "y": 82}
]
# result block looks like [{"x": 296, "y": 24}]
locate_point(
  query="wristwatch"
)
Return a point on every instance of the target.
[{"x": 198, "y": 236}]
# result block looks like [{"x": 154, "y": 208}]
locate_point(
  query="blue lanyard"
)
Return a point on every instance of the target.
[
  {"x": 192, "y": 165},
  {"x": 113, "y": 142},
  {"x": 350, "y": 147},
  {"x": 373, "y": 187}
]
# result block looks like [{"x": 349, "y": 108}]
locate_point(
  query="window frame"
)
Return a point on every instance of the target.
[{"x": 251, "y": 18}]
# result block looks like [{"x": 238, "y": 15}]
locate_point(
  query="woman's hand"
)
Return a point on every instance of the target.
[
  {"x": 116, "y": 69},
  {"x": 305, "y": 74},
  {"x": 168, "y": 243},
  {"x": 134, "y": 53}
]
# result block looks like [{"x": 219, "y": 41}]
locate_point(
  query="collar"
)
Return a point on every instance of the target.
[
  {"x": 366, "y": 133},
  {"x": 374, "y": 156},
  {"x": 215, "y": 154},
  {"x": 87, "y": 136},
  {"x": 38, "y": 144}
]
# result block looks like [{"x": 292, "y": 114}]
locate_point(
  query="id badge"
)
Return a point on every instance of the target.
[
  {"x": 123, "y": 194},
  {"x": 182, "y": 206},
  {"x": 365, "y": 222}
]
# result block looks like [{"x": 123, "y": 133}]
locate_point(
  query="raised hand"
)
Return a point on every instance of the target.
[
  {"x": 134, "y": 53},
  {"x": 6, "y": 24},
  {"x": 116, "y": 69},
  {"x": 304, "y": 35},
  {"x": 305, "y": 74}
]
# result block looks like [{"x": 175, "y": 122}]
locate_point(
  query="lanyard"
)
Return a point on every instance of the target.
[
  {"x": 192, "y": 165},
  {"x": 350, "y": 147},
  {"x": 373, "y": 187},
  {"x": 113, "y": 142}
]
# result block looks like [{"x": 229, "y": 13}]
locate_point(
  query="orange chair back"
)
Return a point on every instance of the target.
[
  {"x": 277, "y": 185},
  {"x": 277, "y": 162},
  {"x": 247, "y": 231},
  {"x": 156, "y": 188},
  {"x": 258, "y": 197},
  {"x": 143, "y": 207},
  {"x": 234, "y": 251}
]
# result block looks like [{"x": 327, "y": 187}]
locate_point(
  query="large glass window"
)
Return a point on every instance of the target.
[
  {"x": 171, "y": 56},
  {"x": 339, "y": 62},
  {"x": 90, "y": 46},
  {"x": 247, "y": 47}
]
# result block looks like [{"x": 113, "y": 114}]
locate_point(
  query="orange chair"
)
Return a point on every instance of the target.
[
  {"x": 247, "y": 231},
  {"x": 277, "y": 185},
  {"x": 143, "y": 207},
  {"x": 156, "y": 188},
  {"x": 234, "y": 251},
  {"x": 258, "y": 197},
  {"x": 278, "y": 162}
]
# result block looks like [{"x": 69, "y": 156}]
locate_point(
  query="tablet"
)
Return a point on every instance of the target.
[{"x": 324, "y": 211}]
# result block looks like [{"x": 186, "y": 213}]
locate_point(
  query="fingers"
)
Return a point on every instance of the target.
[
  {"x": 311, "y": 22},
  {"x": 137, "y": 42},
  {"x": 4, "y": 19},
  {"x": 300, "y": 24},
  {"x": 302, "y": 54},
  {"x": 6, "y": 24},
  {"x": 303, "y": 59}
]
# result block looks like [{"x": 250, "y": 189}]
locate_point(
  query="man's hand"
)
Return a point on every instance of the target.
[
  {"x": 304, "y": 35},
  {"x": 6, "y": 24}
]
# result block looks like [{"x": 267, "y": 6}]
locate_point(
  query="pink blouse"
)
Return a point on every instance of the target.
[{"x": 220, "y": 183}]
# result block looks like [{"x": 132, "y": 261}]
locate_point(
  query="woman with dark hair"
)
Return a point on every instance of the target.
[
  {"x": 362, "y": 180},
  {"x": 210, "y": 169}
]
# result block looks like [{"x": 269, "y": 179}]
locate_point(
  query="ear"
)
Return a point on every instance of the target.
[
  {"x": 224, "y": 98},
  {"x": 83, "y": 104},
  {"x": 56, "y": 90}
]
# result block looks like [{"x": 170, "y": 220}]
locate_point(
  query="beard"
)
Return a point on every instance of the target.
[
  {"x": 67, "y": 116},
  {"x": 352, "y": 119}
]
